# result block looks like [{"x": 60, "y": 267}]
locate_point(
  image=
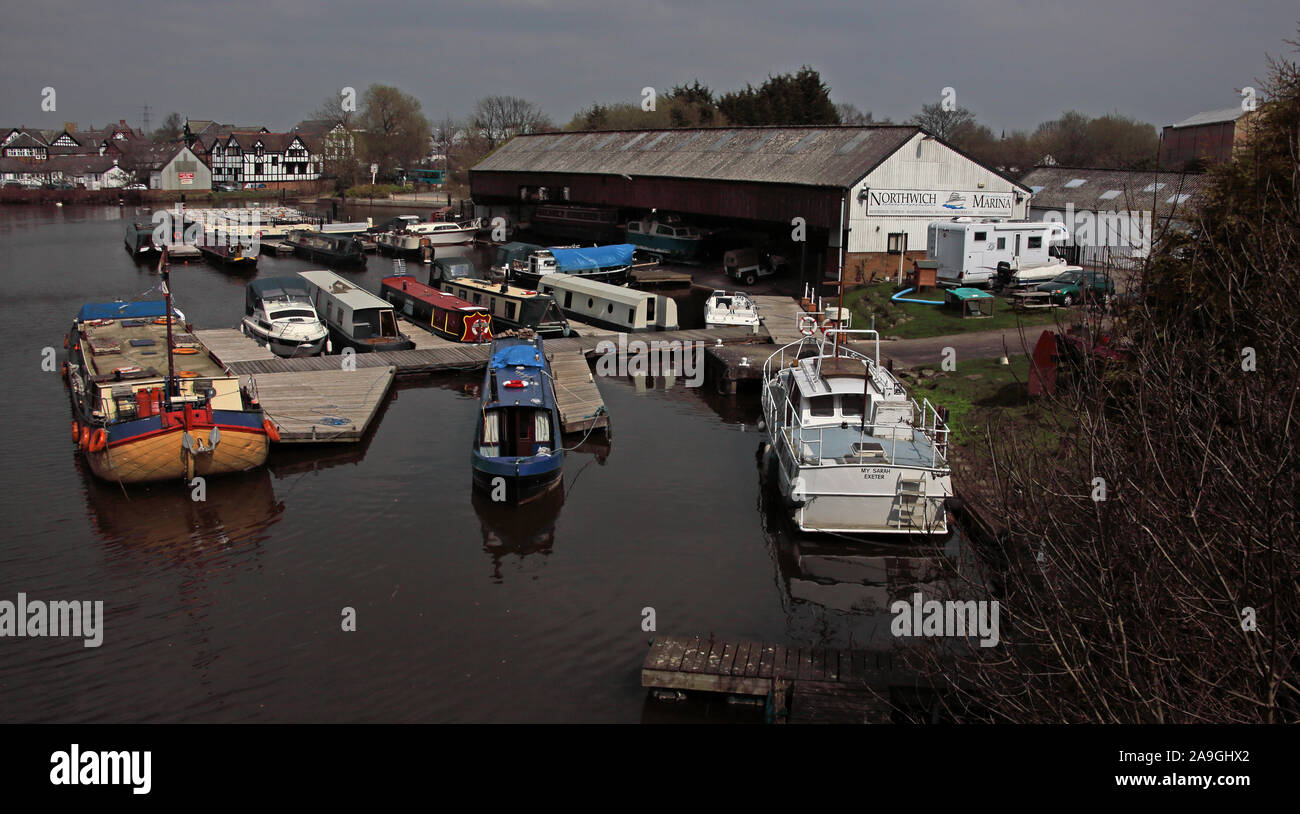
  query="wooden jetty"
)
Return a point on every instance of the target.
[
  {"x": 323, "y": 405},
  {"x": 728, "y": 365},
  {"x": 802, "y": 684},
  {"x": 581, "y": 406},
  {"x": 780, "y": 316},
  {"x": 659, "y": 276},
  {"x": 229, "y": 345}
]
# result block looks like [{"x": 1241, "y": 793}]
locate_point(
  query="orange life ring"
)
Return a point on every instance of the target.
[
  {"x": 76, "y": 432},
  {"x": 98, "y": 441},
  {"x": 84, "y": 441},
  {"x": 160, "y": 321},
  {"x": 186, "y": 374},
  {"x": 271, "y": 431},
  {"x": 185, "y": 351}
]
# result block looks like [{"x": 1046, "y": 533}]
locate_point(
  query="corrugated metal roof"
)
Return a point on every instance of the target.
[
  {"x": 806, "y": 156},
  {"x": 1227, "y": 114},
  {"x": 1112, "y": 189}
]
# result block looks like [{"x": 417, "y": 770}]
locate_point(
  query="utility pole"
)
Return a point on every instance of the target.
[{"x": 144, "y": 121}]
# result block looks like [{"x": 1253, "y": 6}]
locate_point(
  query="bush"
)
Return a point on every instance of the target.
[{"x": 376, "y": 191}]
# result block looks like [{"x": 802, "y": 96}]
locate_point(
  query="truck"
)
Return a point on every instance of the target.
[
  {"x": 997, "y": 254},
  {"x": 747, "y": 265}
]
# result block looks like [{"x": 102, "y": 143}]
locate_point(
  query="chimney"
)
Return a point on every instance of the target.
[{"x": 71, "y": 127}]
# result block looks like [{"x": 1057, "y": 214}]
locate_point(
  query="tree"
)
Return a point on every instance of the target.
[
  {"x": 500, "y": 118},
  {"x": 339, "y": 158},
  {"x": 849, "y": 114},
  {"x": 396, "y": 132},
  {"x": 787, "y": 99},
  {"x": 942, "y": 123},
  {"x": 172, "y": 128}
]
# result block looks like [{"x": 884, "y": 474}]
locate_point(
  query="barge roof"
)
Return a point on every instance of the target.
[{"x": 429, "y": 294}]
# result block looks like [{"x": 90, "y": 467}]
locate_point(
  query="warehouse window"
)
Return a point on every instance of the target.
[{"x": 897, "y": 242}]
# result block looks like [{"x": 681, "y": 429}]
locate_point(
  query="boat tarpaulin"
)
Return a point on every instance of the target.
[
  {"x": 122, "y": 310},
  {"x": 516, "y": 356},
  {"x": 594, "y": 257}
]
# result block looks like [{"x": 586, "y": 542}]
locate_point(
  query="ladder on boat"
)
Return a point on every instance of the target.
[{"x": 909, "y": 503}]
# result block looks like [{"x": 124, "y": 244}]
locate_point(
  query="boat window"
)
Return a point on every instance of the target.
[
  {"x": 387, "y": 324},
  {"x": 609, "y": 309},
  {"x": 510, "y": 310},
  {"x": 541, "y": 426},
  {"x": 631, "y": 316},
  {"x": 591, "y": 303},
  {"x": 478, "y": 298},
  {"x": 820, "y": 406},
  {"x": 650, "y": 309},
  {"x": 850, "y": 406},
  {"x": 463, "y": 293},
  {"x": 568, "y": 299},
  {"x": 292, "y": 312}
]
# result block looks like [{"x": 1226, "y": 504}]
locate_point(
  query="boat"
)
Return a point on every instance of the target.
[
  {"x": 356, "y": 318},
  {"x": 137, "y": 418},
  {"x": 452, "y": 268},
  {"x": 446, "y": 315},
  {"x": 665, "y": 237},
  {"x": 279, "y": 314},
  {"x": 853, "y": 452},
  {"x": 413, "y": 239},
  {"x": 606, "y": 264},
  {"x": 139, "y": 242},
  {"x": 576, "y": 222},
  {"x": 610, "y": 306},
  {"x": 332, "y": 250},
  {"x": 516, "y": 454},
  {"x": 511, "y": 307},
  {"x": 737, "y": 308},
  {"x": 236, "y": 257},
  {"x": 507, "y": 254}
]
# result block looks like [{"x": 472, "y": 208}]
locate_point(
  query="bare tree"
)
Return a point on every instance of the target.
[
  {"x": 940, "y": 122},
  {"x": 499, "y": 118}
]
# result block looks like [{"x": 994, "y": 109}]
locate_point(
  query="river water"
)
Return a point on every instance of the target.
[{"x": 230, "y": 609}]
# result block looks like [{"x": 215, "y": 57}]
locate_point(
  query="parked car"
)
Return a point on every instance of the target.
[
  {"x": 254, "y": 185},
  {"x": 227, "y": 187},
  {"x": 135, "y": 187},
  {"x": 1070, "y": 287}
]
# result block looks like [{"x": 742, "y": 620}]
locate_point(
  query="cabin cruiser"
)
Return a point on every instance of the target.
[
  {"x": 279, "y": 314},
  {"x": 722, "y": 309},
  {"x": 665, "y": 237},
  {"x": 605, "y": 264},
  {"x": 852, "y": 451}
]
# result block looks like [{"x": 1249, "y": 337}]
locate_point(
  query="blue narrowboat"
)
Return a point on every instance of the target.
[{"x": 517, "y": 455}]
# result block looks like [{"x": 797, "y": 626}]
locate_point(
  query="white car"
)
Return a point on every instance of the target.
[{"x": 135, "y": 186}]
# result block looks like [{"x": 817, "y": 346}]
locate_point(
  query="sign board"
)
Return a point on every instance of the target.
[
  {"x": 932, "y": 203},
  {"x": 185, "y": 177}
]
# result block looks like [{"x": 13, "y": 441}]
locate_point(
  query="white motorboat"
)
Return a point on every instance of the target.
[
  {"x": 412, "y": 239},
  {"x": 279, "y": 314},
  {"x": 737, "y": 308},
  {"x": 853, "y": 452}
]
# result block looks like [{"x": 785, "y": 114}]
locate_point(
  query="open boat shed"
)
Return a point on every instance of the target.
[{"x": 873, "y": 189}]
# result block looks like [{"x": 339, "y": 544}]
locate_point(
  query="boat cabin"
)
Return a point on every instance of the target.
[
  {"x": 610, "y": 306},
  {"x": 448, "y": 316},
  {"x": 511, "y": 306},
  {"x": 355, "y": 317}
]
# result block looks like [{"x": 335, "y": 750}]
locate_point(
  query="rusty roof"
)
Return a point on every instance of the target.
[{"x": 825, "y": 156}]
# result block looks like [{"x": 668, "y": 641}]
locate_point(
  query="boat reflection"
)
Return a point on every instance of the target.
[{"x": 517, "y": 530}]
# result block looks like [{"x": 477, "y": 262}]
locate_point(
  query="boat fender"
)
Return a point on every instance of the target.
[
  {"x": 98, "y": 440},
  {"x": 76, "y": 432},
  {"x": 271, "y": 431},
  {"x": 84, "y": 440}
]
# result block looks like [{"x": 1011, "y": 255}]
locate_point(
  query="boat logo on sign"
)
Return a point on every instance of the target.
[{"x": 955, "y": 201}]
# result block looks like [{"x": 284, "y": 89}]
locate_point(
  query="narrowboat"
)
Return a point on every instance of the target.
[
  {"x": 150, "y": 404},
  {"x": 665, "y": 237},
  {"x": 236, "y": 258},
  {"x": 356, "y": 318},
  {"x": 576, "y": 222},
  {"x": 447, "y": 316},
  {"x": 607, "y": 264},
  {"x": 517, "y": 456},
  {"x": 332, "y": 250},
  {"x": 611, "y": 306},
  {"x": 279, "y": 314},
  {"x": 139, "y": 242},
  {"x": 512, "y": 254},
  {"x": 511, "y": 307},
  {"x": 853, "y": 453}
]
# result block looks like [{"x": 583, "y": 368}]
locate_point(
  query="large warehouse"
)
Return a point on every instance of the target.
[{"x": 882, "y": 184}]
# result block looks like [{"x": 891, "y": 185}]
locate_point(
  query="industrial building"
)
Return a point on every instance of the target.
[
  {"x": 872, "y": 189},
  {"x": 1203, "y": 139}
]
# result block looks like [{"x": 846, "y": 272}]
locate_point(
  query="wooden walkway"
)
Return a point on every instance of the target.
[
  {"x": 324, "y": 405},
  {"x": 581, "y": 406},
  {"x": 780, "y": 316},
  {"x": 229, "y": 345},
  {"x": 805, "y": 684}
]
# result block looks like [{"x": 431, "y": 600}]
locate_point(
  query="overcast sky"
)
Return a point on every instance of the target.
[{"x": 272, "y": 62}]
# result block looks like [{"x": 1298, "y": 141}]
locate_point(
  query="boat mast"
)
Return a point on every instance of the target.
[
  {"x": 167, "y": 297},
  {"x": 839, "y": 311}
]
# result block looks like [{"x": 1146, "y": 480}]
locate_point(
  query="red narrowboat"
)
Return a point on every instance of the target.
[{"x": 447, "y": 316}]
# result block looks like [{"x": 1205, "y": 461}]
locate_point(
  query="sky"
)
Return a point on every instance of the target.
[{"x": 1015, "y": 63}]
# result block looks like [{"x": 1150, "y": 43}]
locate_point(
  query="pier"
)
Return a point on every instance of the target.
[
  {"x": 576, "y": 395},
  {"x": 726, "y": 366},
  {"x": 802, "y": 684},
  {"x": 780, "y": 316},
  {"x": 323, "y": 405}
]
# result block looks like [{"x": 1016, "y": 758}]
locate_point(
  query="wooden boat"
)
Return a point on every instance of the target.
[
  {"x": 853, "y": 453},
  {"x": 332, "y": 250},
  {"x": 610, "y": 306},
  {"x": 279, "y": 314},
  {"x": 235, "y": 258},
  {"x": 447, "y": 316},
  {"x": 516, "y": 454},
  {"x": 510, "y": 307},
  {"x": 139, "y": 242},
  {"x": 606, "y": 264},
  {"x": 356, "y": 318},
  {"x": 137, "y": 417}
]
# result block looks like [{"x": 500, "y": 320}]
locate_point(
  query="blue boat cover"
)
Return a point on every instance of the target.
[
  {"x": 122, "y": 310},
  {"x": 595, "y": 257},
  {"x": 516, "y": 356}
]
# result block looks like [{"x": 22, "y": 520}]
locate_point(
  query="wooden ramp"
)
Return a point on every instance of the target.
[
  {"x": 780, "y": 315},
  {"x": 324, "y": 405},
  {"x": 805, "y": 684},
  {"x": 229, "y": 345},
  {"x": 581, "y": 406}
]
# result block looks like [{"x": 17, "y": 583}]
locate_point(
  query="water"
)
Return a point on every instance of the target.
[{"x": 230, "y": 609}]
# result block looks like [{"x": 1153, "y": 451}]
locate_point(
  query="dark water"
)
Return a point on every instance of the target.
[{"x": 230, "y": 609}]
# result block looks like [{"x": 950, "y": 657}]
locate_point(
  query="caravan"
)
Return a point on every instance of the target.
[{"x": 990, "y": 253}]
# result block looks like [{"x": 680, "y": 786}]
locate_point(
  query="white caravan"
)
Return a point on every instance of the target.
[{"x": 986, "y": 253}]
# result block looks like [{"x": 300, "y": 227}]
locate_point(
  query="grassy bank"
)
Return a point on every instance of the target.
[{"x": 909, "y": 320}]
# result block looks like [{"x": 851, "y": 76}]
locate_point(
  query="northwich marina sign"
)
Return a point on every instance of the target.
[{"x": 939, "y": 203}]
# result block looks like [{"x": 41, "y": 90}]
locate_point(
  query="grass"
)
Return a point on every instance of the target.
[{"x": 908, "y": 320}]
